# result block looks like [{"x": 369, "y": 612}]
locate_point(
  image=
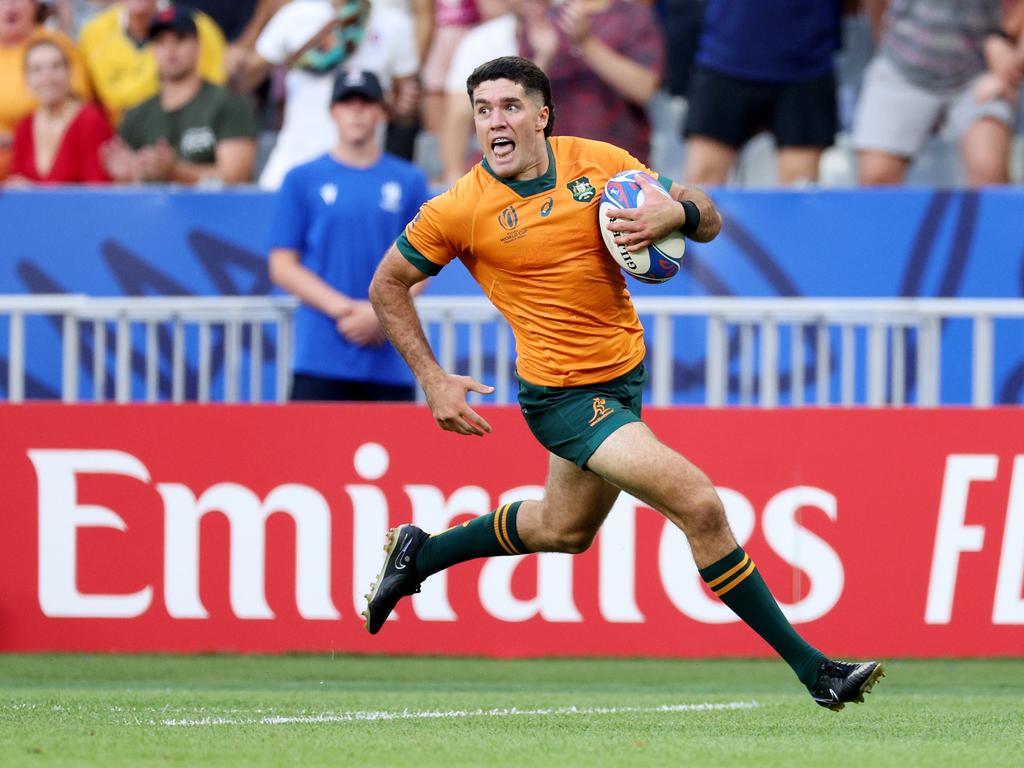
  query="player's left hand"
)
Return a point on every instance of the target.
[
  {"x": 655, "y": 219},
  {"x": 359, "y": 324}
]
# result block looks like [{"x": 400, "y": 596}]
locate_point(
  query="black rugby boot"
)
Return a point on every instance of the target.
[
  {"x": 840, "y": 682},
  {"x": 397, "y": 578}
]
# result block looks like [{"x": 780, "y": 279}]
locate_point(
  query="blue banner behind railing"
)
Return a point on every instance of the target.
[{"x": 900, "y": 242}]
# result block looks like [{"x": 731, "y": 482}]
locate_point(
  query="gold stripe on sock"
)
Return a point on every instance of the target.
[
  {"x": 735, "y": 582},
  {"x": 504, "y": 531},
  {"x": 497, "y": 529},
  {"x": 725, "y": 576}
]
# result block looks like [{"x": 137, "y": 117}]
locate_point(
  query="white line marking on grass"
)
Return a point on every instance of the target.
[{"x": 407, "y": 714}]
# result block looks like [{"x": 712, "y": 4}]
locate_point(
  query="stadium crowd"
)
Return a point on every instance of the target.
[{"x": 237, "y": 91}]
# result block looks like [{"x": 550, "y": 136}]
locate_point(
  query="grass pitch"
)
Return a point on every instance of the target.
[{"x": 376, "y": 711}]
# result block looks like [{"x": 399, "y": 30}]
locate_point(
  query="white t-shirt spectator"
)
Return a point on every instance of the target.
[{"x": 388, "y": 49}]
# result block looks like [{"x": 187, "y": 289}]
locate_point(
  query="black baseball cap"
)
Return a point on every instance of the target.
[
  {"x": 176, "y": 19},
  {"x": 357, "y": 82}
]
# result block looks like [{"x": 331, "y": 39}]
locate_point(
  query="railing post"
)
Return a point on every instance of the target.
[
  {"x": 929, "y": 362},
  {"x": 447, "y": 342},
  {"x": 769, "y": 374},
  {"x": 847, "y": 364},
  {"x": 203, "y": 395},
  {"x": 152, "y": 359},
  {"x": 981, "y": 362},
  {"x": 476, "y": 357},
  {"x": 16, "y": 358},
  {"x": 123, "y": 380},
  {"x": 232, "y": 359},
  {"x": 898, "y": 365},
  {"x": 715, "y": 363},
  {"x": 661, "y": 386},
  {"x": 746, "y": 363},
  {"x": 178, "y": 360},
  {"x": 99, "y": 360},
  {"x": 69, "y": 359},
  {"x": 256, "y": 362},
  {"x": 876, "y": 364},
  {"x": 284, "y": 355},
  {"x": 796, "y": 364},
  {"x": 823, "y": 363}
]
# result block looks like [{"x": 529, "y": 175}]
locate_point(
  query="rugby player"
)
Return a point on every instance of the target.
[{"x": 524, "y": 223}]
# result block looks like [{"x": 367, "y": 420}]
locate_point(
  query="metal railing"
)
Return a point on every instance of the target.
[
  {"x": 896, "y": 343},
  {"x": 162, "y": 322},
  {"x": 765, "y": 352}
]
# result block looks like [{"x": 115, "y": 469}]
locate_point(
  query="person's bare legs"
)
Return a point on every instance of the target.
[
  {"x": 985, "y": 149},
  {"x": 635, "y": 460},
  {"x": 567, "y": 519},
  {"x": 798, "y": 164},
  {"x": 708, "y": 162},
  {"x": 875, "y": 168}
]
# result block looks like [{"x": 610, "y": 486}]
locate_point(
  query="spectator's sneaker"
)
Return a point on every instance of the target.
[
  {"x": 839, "y": 682},
  {"x": 397, "y": 578}
]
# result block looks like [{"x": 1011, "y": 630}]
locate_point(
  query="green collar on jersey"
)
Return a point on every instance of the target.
[{"x": 530, "y": 187}]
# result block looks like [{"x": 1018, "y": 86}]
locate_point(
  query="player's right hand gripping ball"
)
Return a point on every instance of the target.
[{"x": 657, "y": 262}]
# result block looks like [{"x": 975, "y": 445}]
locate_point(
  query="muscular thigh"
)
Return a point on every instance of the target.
[{"x": 635, "y": 460}]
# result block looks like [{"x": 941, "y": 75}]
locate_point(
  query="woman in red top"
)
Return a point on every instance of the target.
[{"x": 62, "y": 141}]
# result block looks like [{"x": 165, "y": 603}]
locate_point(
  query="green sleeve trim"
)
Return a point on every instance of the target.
[
  {"x": 414, "y": 257},
  {"x": 666, "y": 182}
]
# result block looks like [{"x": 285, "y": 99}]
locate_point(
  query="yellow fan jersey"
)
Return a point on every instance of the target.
[
  {"x": 124, "y": 74},
  {"x": 535, "y": 248}
]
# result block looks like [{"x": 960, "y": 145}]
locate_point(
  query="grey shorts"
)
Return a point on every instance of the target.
[{"x": 897, "y": 116}]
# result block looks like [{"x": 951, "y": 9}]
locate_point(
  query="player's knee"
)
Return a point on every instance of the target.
[
  {"x": 573, "y": 541},
  {"x": 705, "y": 515}
]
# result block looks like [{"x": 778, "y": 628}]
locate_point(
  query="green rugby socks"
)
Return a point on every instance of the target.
[
  {"x": 486, "y": 536},
  {"x": 738, "y": 583}
]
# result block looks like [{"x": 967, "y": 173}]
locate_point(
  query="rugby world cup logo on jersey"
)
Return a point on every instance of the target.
[{"x": 508, "y": 220}]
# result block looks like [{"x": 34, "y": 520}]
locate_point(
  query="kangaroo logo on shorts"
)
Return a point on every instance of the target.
[{"x": 601, "y": 411}]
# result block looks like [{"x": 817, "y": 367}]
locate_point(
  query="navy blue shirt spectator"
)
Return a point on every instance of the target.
[
  {"x": 776, "y": 42},
  {"x": 763, "y": 66}
]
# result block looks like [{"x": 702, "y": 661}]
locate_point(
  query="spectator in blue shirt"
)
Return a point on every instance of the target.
[{"x": 334, "y": 219}]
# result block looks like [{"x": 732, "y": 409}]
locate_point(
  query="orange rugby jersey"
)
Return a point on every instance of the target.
[{"x": 535, "y": 249}]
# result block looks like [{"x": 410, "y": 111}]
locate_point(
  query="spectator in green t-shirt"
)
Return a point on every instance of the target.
[{"x": 191, "y": 132}]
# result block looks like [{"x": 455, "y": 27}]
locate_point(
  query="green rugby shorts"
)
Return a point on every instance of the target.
[{"x": 572, "y": 422}]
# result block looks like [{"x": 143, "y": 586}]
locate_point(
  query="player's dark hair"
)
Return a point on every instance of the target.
[{"x": 520, "y": 71}]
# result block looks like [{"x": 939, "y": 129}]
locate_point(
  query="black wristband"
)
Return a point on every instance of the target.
[{"x": 692, "y": 221}]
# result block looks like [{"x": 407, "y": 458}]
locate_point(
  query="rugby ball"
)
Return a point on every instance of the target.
[{"x": 657, "y": 262}]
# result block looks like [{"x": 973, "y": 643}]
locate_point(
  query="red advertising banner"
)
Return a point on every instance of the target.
[{"x": 259, "y": 528}]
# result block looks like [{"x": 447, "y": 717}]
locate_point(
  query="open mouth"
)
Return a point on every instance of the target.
[{"x": 502, "y": 147}]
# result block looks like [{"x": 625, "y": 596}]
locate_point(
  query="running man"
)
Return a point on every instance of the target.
[{"x": 524, "y": 223}]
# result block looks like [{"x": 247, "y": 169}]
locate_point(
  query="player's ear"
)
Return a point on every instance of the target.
[{"x": 542, "y": 117}]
